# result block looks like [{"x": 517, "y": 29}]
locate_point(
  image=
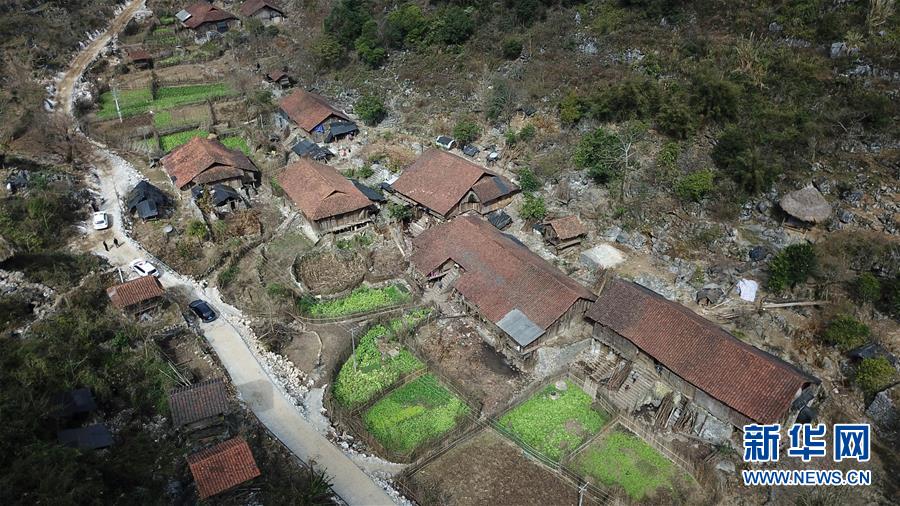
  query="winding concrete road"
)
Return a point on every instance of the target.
[{"x": 228, "y": 337}]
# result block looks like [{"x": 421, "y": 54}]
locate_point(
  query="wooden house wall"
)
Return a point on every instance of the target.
[{"x": 342, "y": 221}]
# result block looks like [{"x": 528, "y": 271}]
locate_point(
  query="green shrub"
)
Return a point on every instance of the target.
[
  {"x": 528, "y": 181},
  {"x": 713, "y": 96},
  {"x": 527, "y": 133},
  {"x": 371, "y": 109},
  {"x": 499, "y": 100},
  {"x": 226, "y": 276},
  {"x": 533, "y": 208},
  {"x": 791, "y": 266},
  {"x": 846, "y": 333},
  {"x": 452, "y": 25},
  {"x": 197, "y": 228},
  {"x": 346, "y": 20},
  {"x": 277, "y": 291},
  {"x": 511, "y": 138},
  {"x": 874, "y": 375},
  {"x": 633, "y": 98},
  {"x": 405, "y": 26},
  {"x": 571, "y": 109},
  {"x": 695, "y": 186},
  {"x": 466, "y": 131},
  {"x": 599, "y": 153},
  {"x": 866, "y": 288},
  {"x": 739, "y": 156},
  {"x": 676, "y": 118},
  {"x": 668, "y": 156},
  {"x": 512, "y": 48},
  {"x": 399, "y": 212},
  {"x": 328, "y": 52},
  {"x": 368, "y": 45}
]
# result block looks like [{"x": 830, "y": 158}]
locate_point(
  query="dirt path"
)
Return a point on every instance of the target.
[{"x": 228, "y": 336}]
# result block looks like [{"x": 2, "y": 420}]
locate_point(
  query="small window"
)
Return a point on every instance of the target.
[{"x": 222, "y": 26}]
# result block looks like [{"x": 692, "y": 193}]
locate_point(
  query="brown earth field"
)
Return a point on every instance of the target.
[{"x": 489, "y": 469}]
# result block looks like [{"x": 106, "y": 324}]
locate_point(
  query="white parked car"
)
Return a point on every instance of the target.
[
  {"x": 144, "y": 268},
  {"x": 101, "y": 220}
]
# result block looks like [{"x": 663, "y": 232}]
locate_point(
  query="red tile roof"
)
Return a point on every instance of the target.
[
  {"x": 223, "y": 466},
  {"x": 135, "y": 291},
  {"x": 189, "y": 161},
  {"x": 205, "y": 12},
  {"x": 568, "y": 227},
  {"x": 438, "y": 180},
  {"x": 319, "y": 190},
  {"x": 197, "y": 402},
  {"x": 499, "y": 274},
  {"x": 308, "y": 109},
  {"x": 138, "y": 54},
  {"x": 752, "y": 382},
  {"x": 250, "y": 7}
]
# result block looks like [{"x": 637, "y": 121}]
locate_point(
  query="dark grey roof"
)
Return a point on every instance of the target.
[
  {"x": 340, "y": 128},
  {"x": 312, "y": 150},
  {"x": 147, "y": 209},
  {"x": 443, "y": 139},
  {"x": 370, "y": 193},
  {"x": 470, "y": 150},
  {"x": 142, "y": 192},
  {"x": 870, "y": 350},
  {"x": 499, "y": 219},
  {"x": 86, "y": 438},
  {"x": 520, "y": 328},
  {"x": 73, "y": 402},
  {"x": 515, "y": 240},
  {"x": 220, "y": 193}
]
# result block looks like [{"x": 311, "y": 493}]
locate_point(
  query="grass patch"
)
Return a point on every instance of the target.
[
  {"x": 372, "y": 373},
  {"x": 624, "y": 460},
  {"x": 172, "y": 141},
  {"x": 235, "y": 142},
  {"x": 134, "y": 102},
  {"x": 359, "y": 301},
  {"x": 555, "y": 427},
  {"x": 418, "y": 412}
]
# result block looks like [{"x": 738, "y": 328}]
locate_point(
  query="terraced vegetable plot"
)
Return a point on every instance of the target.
[
  {"x": 172, "y": 141},
  {"x": 359, "y": 301},
  {"x": 554, "y": 421},
  {"x": 624, "y": 460},
  {"x": 235, "y": 142},
  {"x": 371, "y": 372},
  {"x": 416, "y": 413},
  {"x": 134, "y": 102}
]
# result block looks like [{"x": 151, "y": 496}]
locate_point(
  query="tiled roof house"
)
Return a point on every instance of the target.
[
  {"x": 564, "y": 232},
  {"x": 732, "y": 380},
  {"x": 207, "y": 161},
  {"x": 266, "y": 11},
  {"x": 310, "y": 111},
  {"x": 329, "y": 201},
  {"x": 222, "y": 467},
  {"x": 206, "y": 16},
  {"x": 446, "y": 185},
  {"x": 198, "y": 402},
  {"x": 525, "y": 297},
  {"x": 136, "y": 295}
]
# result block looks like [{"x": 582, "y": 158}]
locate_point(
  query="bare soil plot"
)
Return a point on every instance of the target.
[
  {"x": 458, "y": 352},
  {"x": 489, "y": 469}
]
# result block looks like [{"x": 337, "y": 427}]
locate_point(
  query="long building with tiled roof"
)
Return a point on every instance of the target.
[
  {"x": 525, "y": 297},
  {"x": 207, "y": 161},
  {"x": 135, "y": 294},
  {"x": 198, "y": 402},
  {"x": 734, "y": 381},
  {"x": 446, "y": 185}
]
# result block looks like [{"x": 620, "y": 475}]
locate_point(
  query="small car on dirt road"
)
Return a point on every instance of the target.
[
  {"x": 144, "y": 268},
  {"x": 100, "y": 220},
  {"x": 203, "y": 310}
]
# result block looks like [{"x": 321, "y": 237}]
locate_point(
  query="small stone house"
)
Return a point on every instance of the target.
[
  {"x": 137, "y": 296},
  {"x": 329, "y": 202},
  {"x": 646, "y": 344},
  {"x": 267, "y": 11},
  {"x": 140, "y": 58},
  {"x": 445, "y": 185},
  {"x": 522, "y": 297},
  {"x": 563, "y": 233}
]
